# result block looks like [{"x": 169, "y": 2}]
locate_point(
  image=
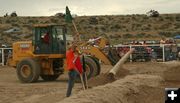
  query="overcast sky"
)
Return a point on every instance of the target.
[{"x": 87, "y": 7}]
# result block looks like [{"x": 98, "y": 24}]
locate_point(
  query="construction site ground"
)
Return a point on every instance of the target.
[{"x": 138, "y": 82}]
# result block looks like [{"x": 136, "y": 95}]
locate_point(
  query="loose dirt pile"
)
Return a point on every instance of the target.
[
  {"x": 131, "y": 89},
  {"x": 169, "y": 71},
  {"x": 143, "y": 83},
  {"x": 172, "y": 71},
  {"x": 104, "y": 78}
]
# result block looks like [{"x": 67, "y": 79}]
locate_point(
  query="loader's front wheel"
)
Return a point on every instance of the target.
[
  {"x": 49, "y": 77},
  {"x": 97, "y": 69},
  {"x": 28, "y": 70},
  {"x": 90, "y": 65}
]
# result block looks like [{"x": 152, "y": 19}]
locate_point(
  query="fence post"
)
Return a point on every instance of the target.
[
  {"x": 2, "y": 57},
  {"x": 130, "y": 54},
  {"x": 163, "y": 53}
]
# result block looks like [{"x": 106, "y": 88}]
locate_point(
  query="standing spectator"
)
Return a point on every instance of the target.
[
  {"x": 174, "y": 51},
  {"x": 162, "y": 42},
  {"x": 144, "y": 43},
  {"x": 167, "y": 50},
  {"x": 153, "y": 55}
]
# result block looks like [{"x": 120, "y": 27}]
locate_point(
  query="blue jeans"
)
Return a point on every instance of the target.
[{"x": 72, "y": 76}]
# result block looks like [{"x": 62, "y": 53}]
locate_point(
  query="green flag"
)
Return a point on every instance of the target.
[{"x": 68, "y": 17}]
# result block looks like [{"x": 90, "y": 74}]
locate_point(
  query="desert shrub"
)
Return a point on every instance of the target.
[
  {"x": 127, "y": 20},
  {"x": 177, "y": 26},
  {"x": 28, "y": 36},
  {"x": 103, "y": 28},
  {"x": 135, "y": 26},
  {"x": 15, "y": 38},
  {"x": 138, "y": 25},
  {"x": 146, "y": 28},
  {"x": 169, "y": 18},
  {"x": 115, "y": 36},
  {"x": 166, "y": 34},
  {"x": 82, "y": 21},
  {"x": 29, "y": 27},
  {"x": 133, "y": 18},
  {"x": 122, "y": 18},
  {"x": 147, "y": 35},
  {"x": 177, "y": 18},
  {"x": 93, "y": 20},
  {"x": 161, "y": 19},
  {"x": 111, "y": 36},
  {"x": 15, "y": 24},
  {"x": 128, "y": 35},
  {"x": 31, "y": 21},
  {"x": 54, "y": 20},
  {"x": 165, "y": 26},
  {"x": 145, "y": 17},
  {"x": 149, "y": 25},
  {"x": 88, "y": 27},
  {"x": 141, "y": 35},
  {"x": 119, "y": 36},
  {"x": 101, "y": 19},
  {"x": 8, "y": 21},
  {"x": 126, "y": 30},
  {"x": 117, "y": 26},
  {"x": 109, "y": 18},
  {"x": 13, "y": 20},
  {"x": 96, "y": 28}
]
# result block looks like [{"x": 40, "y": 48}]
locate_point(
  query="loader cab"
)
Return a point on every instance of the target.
[{"x": 49, "y": 39}]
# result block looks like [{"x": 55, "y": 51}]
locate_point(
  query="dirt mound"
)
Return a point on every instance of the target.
[
  {"x": 169, "y": 71},
  {"x": 105, "y": 78},
  {"x": 172, "y": 71},
  {"x": 131, "y": 89}
]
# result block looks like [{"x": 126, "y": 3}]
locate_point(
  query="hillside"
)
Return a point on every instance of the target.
[{"x": 118, "y": 28}]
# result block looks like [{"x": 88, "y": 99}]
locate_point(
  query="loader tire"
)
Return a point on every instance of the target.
[
  {"x": 50, "y": 77},
  {"x": 90, "y": 66},
  {"x": 98, "y": 66},
  {"x": 28, "y": 70}
]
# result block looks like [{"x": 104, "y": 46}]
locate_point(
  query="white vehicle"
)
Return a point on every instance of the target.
[{"x": 152, "y": 13}]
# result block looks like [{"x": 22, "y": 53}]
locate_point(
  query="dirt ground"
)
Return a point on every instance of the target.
[
  {"x": 11, "y": 90},
  {"x": 151, "y": 78}
]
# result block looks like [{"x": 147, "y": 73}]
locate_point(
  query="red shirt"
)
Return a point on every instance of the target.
[
  {"x": 46, "y": 38},
  {"x": 78, "y": 65},
  {"x": 69, "y": 59}
]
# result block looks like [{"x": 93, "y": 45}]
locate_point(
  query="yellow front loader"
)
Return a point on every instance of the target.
[{"x": 44, "y": 56}]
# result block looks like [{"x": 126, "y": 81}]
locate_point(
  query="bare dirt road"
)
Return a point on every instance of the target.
[
  {"x": 135, "y": 81},
  {"x": 12, "y": 91}
]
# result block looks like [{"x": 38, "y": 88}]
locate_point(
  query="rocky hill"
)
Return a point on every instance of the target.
[{"x": 117, "y": 27}]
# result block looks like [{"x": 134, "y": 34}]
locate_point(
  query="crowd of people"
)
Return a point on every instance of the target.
[
  {"x": 166, "y": 47},
  {"x": 170, "y": 49}
]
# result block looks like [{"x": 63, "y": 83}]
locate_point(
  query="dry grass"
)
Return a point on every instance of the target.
[{"x": 125, "y": 26}]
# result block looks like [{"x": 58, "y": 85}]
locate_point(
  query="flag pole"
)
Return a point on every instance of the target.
[
  {"x": 69, "y": 18},
  {"x": 77, "y": 32},
  {"x": 82, "y": 81},
  {"x": 84, "y": 69}
]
